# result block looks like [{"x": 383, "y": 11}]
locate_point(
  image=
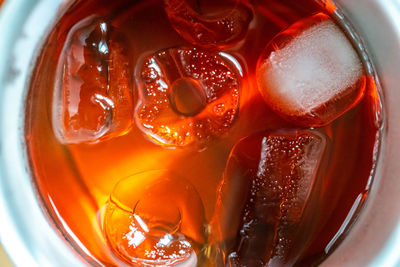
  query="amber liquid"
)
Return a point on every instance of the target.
[{"x": 75, "y": 181}]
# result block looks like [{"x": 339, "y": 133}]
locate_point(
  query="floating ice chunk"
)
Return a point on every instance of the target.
[
  {"x": 223, "y": 30},
  {"x": 187, "y": 96},
  {"x": 93, "y": 91},
  {"x": 262, "y": 198},
  {"x": 155, "y": 219},
  {"x": 310, "y": 73}
]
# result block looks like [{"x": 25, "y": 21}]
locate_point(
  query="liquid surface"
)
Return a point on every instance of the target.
[{"x": 150, "y": 133}]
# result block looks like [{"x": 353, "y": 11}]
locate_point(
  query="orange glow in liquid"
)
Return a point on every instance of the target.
[{"x": 147, "y": 170}]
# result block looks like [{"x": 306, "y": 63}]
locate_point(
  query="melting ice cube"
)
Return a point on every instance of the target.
[
  {"x": 93, "y": 91},
  {"x": 310, "y": 73},
  {"x": 223, "y": 30},
  {"x": 187, "y": 96},
  {"x": 261, "y": 201},
  {"x": 155, "y": 219}
]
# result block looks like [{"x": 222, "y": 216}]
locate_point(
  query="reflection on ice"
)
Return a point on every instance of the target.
[
  {"x": 93, "y": 92},
  {"x": 155, "y": 219}
]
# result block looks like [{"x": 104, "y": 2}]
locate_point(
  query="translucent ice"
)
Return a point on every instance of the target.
[
  {"x": 187, "y": 96},
  {"x": 223, "y": 30},
  {"x": 155, "y": 219},
  {"x": 261, "y": 200},
  {"x": 92, "y": 96},
  {"x": 310, "y": 73}
]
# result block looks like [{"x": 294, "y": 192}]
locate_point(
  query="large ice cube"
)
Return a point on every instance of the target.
[
  {"x": 310, "y": 73},
  {"x": 187, "y": 96},
  {"x": 225, "y": 29},
  {"x": 155, "y": 219},
  {"x": 261, "y": 201},
  {"x": 93, "y": 90}
]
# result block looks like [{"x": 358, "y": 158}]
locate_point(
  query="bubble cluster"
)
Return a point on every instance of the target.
[
  {"x": 265, "y": 188},
  {"x": 187, "y": 96}
]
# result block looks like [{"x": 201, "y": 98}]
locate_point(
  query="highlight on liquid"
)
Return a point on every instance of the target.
[{"x": 202, "y": 133}]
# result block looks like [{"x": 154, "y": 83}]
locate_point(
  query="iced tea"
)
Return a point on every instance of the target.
[{"x": 202, "y": 133}]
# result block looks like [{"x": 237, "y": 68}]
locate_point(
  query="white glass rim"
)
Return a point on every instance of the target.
[{"x": 26, "y": 234}]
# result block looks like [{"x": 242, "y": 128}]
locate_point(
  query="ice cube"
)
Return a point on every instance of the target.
[
  {"x": 187, "y": 96},
  {"x": 223, "y": 30},
  {"x": 310, "y": 73},
  {"x": 262, "y": 197},
  {"x": 155, "y": 219},
  {"x": 93, "y": 90}
]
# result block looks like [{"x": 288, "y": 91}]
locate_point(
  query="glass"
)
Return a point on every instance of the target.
[{"x": 15, "y": 179}]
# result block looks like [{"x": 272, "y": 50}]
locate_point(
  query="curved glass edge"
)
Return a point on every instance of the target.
[
  {"x": 384, "y": 17},
  {"x": 24, "y": 230},
  {"x": 390, "y": 255}
]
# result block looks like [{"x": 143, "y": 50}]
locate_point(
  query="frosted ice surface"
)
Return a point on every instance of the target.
[{"x": 315, "y": 67}]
